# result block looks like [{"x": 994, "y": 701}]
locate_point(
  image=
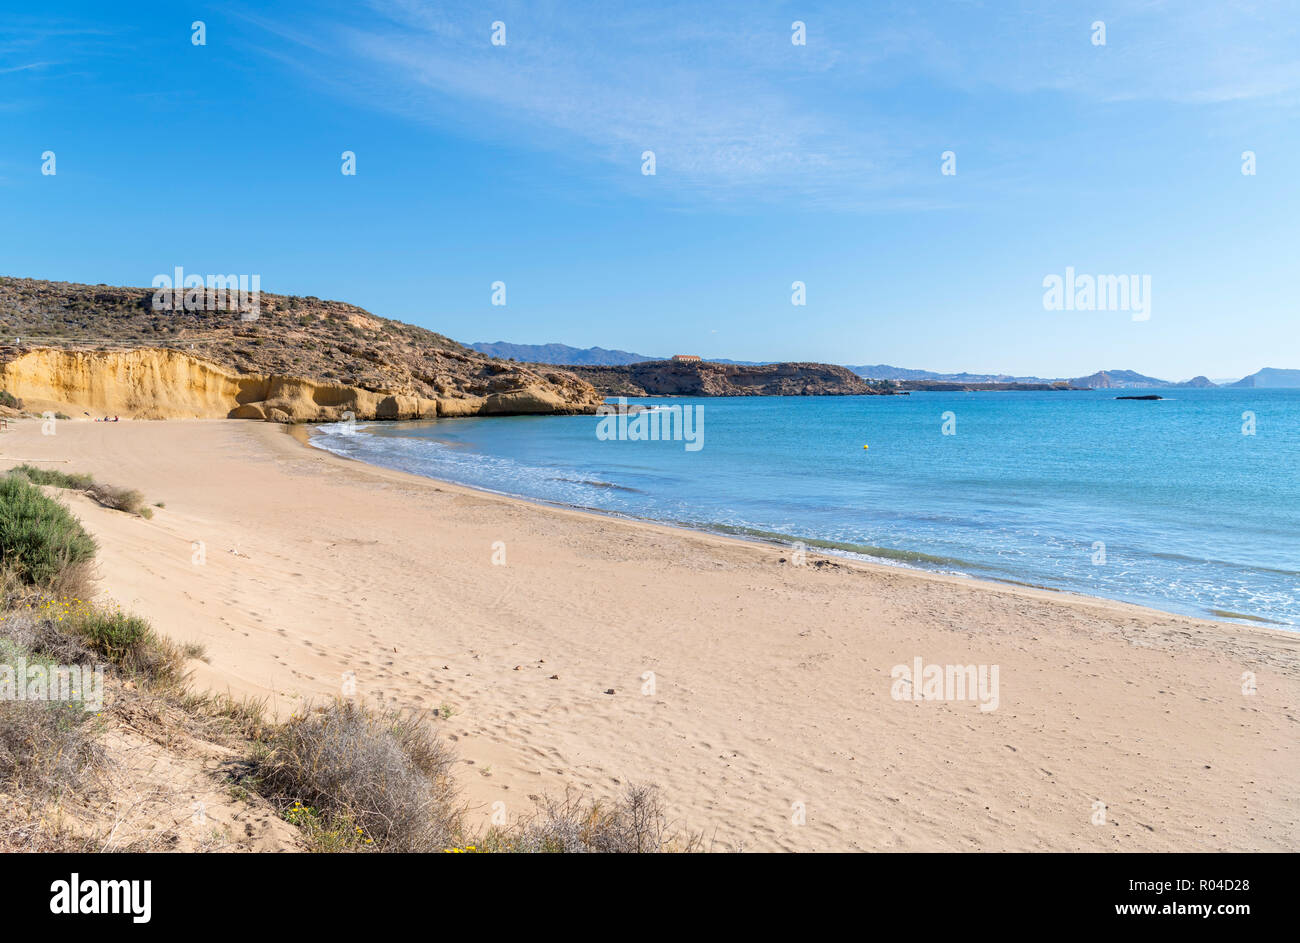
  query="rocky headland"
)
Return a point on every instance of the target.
[{"x": 112, "y": 351}]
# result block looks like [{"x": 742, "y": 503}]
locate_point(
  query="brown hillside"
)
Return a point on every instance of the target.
[
  {"x": 106, "y": 349},
  {"x": 706, "y": 378}
]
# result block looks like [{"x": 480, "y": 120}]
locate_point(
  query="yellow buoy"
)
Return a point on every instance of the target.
[{"x": 864, "y": 446}]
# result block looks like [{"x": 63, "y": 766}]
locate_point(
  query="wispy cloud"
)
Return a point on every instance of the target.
[
  {"x": 1174, "y": 51},
  {"x": 26, "y": 66},
  {"x": 732, "y": 109}
]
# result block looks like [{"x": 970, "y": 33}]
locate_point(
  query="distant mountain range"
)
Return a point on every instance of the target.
[
  {"x": 1101, "y": 380},
  {"x": 564, "y": 355},
  {"x": 883, "y": 371},
  {"x": 1272, "y": 376},
  {"x": 559, "y": 354}
]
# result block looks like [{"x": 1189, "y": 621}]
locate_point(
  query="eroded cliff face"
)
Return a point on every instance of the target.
[{"x": 160, "y": 383}]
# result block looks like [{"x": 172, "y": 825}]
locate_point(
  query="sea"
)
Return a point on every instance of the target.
[{"x": 1189, "y": 503}]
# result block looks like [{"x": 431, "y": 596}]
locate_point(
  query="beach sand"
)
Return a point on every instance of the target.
[{"x": 770, "y": 723}]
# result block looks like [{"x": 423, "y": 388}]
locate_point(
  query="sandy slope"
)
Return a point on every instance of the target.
[{"x": 772, "y": 682}]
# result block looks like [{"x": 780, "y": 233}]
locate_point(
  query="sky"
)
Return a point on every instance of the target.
[{"x": 774, "y": 163}]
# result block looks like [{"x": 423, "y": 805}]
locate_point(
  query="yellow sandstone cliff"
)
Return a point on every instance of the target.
[{"x": 159, "y": 383}]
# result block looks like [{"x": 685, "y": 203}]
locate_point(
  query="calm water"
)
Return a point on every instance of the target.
[{"x": 1195, "y": 517}]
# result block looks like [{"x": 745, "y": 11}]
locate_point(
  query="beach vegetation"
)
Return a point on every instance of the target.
[
  {"x": 110, "y": 496},
  {"x": 128, "y": 642},
  {"x": 40, "y": 541},
  {"x": 47, "y": 747},
  {"x": 53, "y": 477},
  {"x": 363, "y": 778},
  {"x": 633, "y": 823},
  {"x": 120, "y": 499}
]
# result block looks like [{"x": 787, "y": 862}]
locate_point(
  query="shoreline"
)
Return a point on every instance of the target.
[
  {"x": 770, "y": 685},
  {"x": 303, "y": 432}
]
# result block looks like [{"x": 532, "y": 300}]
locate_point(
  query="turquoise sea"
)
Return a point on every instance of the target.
[{"x": 1165, "y": 503}]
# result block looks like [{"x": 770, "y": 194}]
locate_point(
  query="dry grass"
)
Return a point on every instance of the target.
[
  {"x": 358, "y": 779},
  {"x": 28, "y": 828},
  {"x": 46, "y": 747},
  {"x": 635, "y": 823},
  {"x": 36, "y": 627},
  {"x": 120, "y": 499},
  {"x": 222, "y": 717}
]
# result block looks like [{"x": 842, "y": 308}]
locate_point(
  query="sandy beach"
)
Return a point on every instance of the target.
[{"x": 755, "y": 693}]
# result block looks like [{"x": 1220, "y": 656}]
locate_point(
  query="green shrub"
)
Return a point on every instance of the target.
[
  {"x": 53, "y": 477},
  {"x": 40, "y": 540},
  {"x": 8, "y": 399},
  {"x": 110, "y": 496},
  {"x": 129, "y": 643}
]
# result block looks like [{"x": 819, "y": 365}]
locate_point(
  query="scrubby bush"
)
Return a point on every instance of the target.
[
  {"x": 359, "y": 779},
  {"x": 120, "y": 499},
  {"x": 635, "y": 823}
]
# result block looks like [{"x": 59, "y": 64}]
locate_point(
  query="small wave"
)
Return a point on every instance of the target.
[
  {"x": 1227, "y": 564},
  {"x": 866, "y": 550},
  {"x": 599, "y": 484},
  {"x": 1229, "y": 614}
]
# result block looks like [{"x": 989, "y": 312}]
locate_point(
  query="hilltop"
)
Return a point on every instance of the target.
[
  {"x": 711, "y": 378},
  {"x": 106, "y": 349},
  {"x": 558, "y": 354}
]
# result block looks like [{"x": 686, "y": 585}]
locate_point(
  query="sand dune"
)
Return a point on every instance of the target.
[{"x": 771, "y": 682}]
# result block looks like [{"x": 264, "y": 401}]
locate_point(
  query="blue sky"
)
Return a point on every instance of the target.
[{"x": 775, "y": 163}]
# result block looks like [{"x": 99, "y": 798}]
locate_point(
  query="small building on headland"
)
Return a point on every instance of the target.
[{"x": 686, "y": 358}]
